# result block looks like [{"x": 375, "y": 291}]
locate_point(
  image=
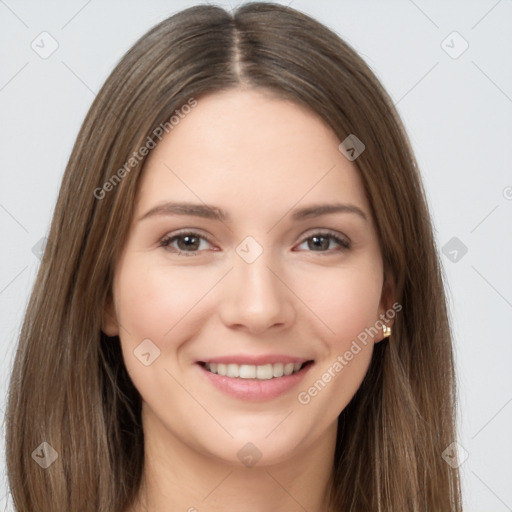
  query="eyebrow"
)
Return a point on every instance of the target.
[
  {"x": 326, "y": 209},
  {"x": 193, "y": 209},
  {"x": 215, "y": 213}
]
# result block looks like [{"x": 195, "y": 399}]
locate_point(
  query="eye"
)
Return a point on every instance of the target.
[
  {"x": 191, "y": 243},
  {"x": 187, "y": 243},
  {"x": 323, "y": 241}
]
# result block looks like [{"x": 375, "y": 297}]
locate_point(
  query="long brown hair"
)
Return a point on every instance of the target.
[{"x": 69, "y": 387}]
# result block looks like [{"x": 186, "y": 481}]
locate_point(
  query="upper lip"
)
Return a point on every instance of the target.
[{"x": 255, "y": 360}]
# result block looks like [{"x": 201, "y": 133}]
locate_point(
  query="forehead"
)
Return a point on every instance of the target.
[{"x": 249, "y": 151}]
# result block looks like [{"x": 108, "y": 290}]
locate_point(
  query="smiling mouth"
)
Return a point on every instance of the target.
[{"x": 259, "y": 372}]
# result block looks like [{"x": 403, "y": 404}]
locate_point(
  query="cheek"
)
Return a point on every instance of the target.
[
  {"x": 345, "y": 300},
  {"x": 357, "y": 308},
  {"x": 349, "y": 308},
  {"x": 154, "y": 300}
]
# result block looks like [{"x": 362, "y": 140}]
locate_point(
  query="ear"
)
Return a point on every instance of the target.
[
  {"x": 109, "y": 323},
  {"x": 388, "y": 307}
]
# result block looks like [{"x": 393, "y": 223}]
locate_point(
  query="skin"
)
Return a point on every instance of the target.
[{"x": 258, "y": 158}]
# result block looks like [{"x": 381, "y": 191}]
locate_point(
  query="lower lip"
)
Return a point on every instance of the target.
[{"x": 254, "y": 389}]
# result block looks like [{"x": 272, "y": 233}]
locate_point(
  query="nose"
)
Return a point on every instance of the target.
[{"x": 255, "y": 298}]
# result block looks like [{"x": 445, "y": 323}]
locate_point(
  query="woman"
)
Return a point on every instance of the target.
[{"x": 240, "y": 303}]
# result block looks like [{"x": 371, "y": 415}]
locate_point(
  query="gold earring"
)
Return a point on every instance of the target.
[{"x": 386, "y": 331}]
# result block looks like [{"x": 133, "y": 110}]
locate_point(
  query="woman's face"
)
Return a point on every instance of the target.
[{"x": 253, "y": 253}]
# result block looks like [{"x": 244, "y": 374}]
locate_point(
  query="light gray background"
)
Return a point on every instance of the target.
[{"x": 458, "y": 113}]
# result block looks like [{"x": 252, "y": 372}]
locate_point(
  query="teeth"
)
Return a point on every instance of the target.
[
  {"x": 233, "y": 370},
  {"x": 278, "y": 370},
  {"x": 288, "y": 368},
  {"x": 249, "y": 371},
  {"x": 264, "y": 372}
]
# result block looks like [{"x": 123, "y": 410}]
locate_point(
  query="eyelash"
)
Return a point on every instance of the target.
[{"x": 167, "y": 240}]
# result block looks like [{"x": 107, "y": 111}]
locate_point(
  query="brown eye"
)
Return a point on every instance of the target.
[
  {"x": 189, "y": 243},
  {"x": 319, "y": 243},
  {"x": 324, "y": 242}
]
